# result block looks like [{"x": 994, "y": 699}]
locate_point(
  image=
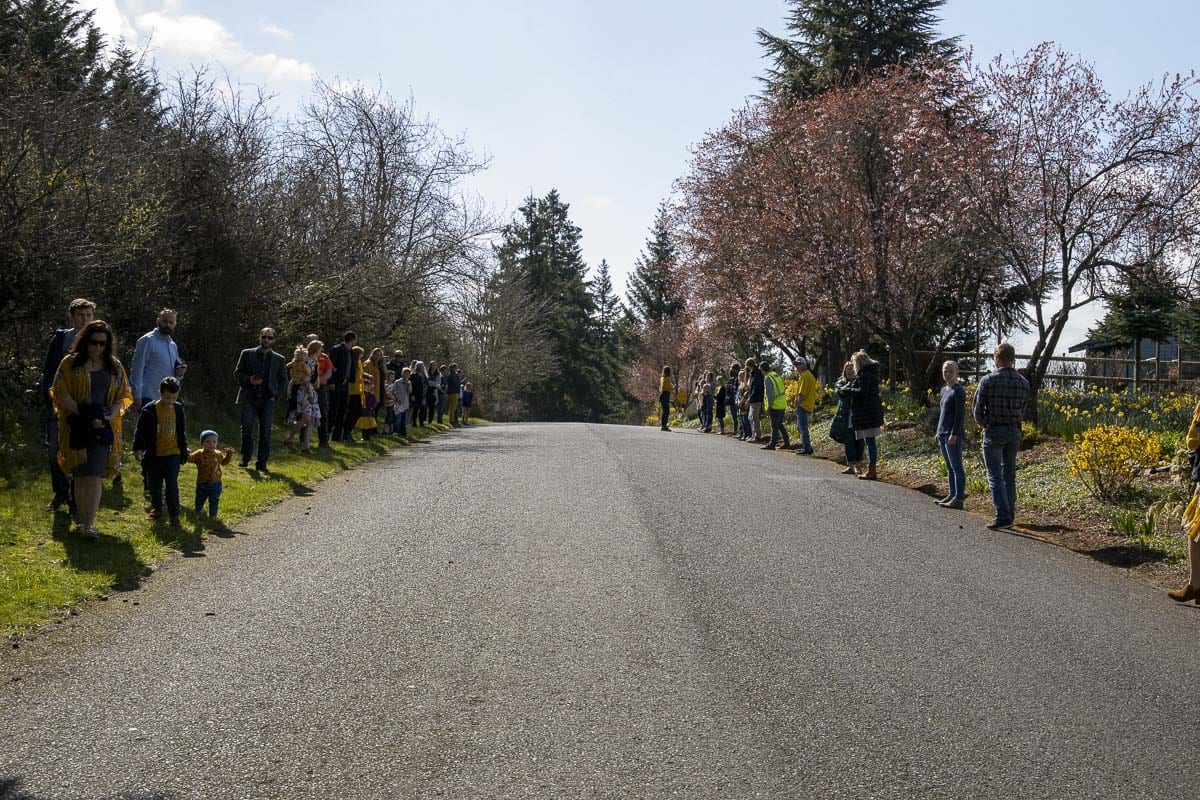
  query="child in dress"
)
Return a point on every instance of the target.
[
  {"x": 298, "y": 374},
  {"x": 209, "y": 460},
  {"x": 403, "y": 395},
  {"x": 389, "y": 401}
]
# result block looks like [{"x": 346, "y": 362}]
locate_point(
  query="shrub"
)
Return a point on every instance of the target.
[
  {"x": 1029, "y": 435},
  {"x": 1107, "y": 459}
]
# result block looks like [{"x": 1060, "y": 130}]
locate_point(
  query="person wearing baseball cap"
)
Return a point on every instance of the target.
[{"x": 806, "y": 400}]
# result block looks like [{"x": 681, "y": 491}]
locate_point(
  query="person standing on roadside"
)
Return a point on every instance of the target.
[
  {"x": 866, "y": 409},
  {"x": 841, "y": 421},
  {"x": 1000, "y": 404},
  {"x": 262, "y": 377},
  {"x": 324, "y": 373},
  {"x": 776, "y": 393},
  {"x": 1191, "y": 518},
  {"x": 950, "y": 432},
  {"x": 757, "y": 393},
  {"x": 806, "y": 401},
  {"x": 665, "y": 388},
  {"x": 731, "y": 391},
  {"x": 91, "y": 393},
  {"x": 453, "y": 393},
  {"x": 80, "y": 312},
  {"x": 344, "y": 366},
  {"x": 155, "y": 356}
]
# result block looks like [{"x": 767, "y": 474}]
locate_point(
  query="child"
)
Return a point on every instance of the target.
[
  {"x": 208, "y": 461},
  {"x": 159, "y": 443},
  {"x": 389, "y": 401},
  {"x": 403, "y": 393},
  {"x": 298, "y": 372},
  {"x": 468, "y": 399}
]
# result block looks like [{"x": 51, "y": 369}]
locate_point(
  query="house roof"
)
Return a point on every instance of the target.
[{"x": 1094, "y": 344}]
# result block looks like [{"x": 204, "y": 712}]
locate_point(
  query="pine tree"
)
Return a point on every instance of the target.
[
  {"x": 608, "y": 305},
  {"x": 653, "y": 291},
  {"x": 542, "y": 245},
  {"x": 830, "y": 42}
]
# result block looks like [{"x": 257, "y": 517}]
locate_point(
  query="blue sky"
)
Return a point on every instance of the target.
[{"x": 598, "y": 100}]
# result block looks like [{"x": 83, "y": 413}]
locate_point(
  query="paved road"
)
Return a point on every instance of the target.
[{"x": 573, "y": 611}]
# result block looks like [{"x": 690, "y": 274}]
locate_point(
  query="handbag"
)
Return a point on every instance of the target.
[{"x": 838, "y": 428}]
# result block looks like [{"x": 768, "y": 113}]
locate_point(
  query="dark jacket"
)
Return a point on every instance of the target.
[
  {"x": 758, "y": 389},
  {"x": 866, "y": 408},
  {"x": 340, "y": 356},
  {"x": 419, "y": 385},
  {"x": 145, "y": 436},
  {"x": 275, "y": 383},
  {"x": 453, "y": 383},
  {"x": 59, "y": 345}
]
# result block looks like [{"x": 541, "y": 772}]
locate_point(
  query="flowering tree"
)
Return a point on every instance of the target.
[
  {"x": 1086, "y": 189},
  {"x": 851, "y": 208}
]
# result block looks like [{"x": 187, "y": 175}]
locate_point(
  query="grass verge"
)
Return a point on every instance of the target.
[{"x": 46, "y": 570}]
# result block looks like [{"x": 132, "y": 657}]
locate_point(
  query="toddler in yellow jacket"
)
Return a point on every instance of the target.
[{"x": 209, "y": 460}]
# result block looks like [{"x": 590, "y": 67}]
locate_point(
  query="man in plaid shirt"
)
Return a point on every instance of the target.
[{"x": 1000, "y": 404}]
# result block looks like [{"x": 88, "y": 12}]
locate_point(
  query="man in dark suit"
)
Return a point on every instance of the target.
[
  {"x": 262, "y": 376},
  {"x": 339, "y": 387}
]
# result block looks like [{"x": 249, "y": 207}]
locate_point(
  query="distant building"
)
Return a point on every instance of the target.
[{"x": 1162, "y": 355}]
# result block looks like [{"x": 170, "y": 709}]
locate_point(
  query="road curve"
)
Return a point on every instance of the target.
[{"x": 578, "y": 611}]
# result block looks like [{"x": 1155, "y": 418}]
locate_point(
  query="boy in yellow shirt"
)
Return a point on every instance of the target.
[{"x": 159, "y": 442}]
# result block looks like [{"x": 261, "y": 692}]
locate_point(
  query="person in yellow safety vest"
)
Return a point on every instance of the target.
[
  {"x": 806, "y": 400},
  {"x": 777, "y": 408}
]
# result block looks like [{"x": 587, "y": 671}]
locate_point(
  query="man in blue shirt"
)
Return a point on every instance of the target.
[{"x": 156, "y": 356}]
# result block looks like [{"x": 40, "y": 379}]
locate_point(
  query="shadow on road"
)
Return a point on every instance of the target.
[
  {"x": 108, "y": 554},
  {"x": 1124, "y": 555},
  {"x": 10, "y": 789}
]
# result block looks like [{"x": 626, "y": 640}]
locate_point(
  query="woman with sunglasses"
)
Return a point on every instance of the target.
[{"x": 91, "y": 392}]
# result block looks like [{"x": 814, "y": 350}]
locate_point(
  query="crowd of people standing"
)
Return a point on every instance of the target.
[
  {"x": 335, "y": 394},
  {"x": 1001, "y": 400}
]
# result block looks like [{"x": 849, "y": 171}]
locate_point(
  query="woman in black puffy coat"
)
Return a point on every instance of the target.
[{"x": 866, "y": 408}]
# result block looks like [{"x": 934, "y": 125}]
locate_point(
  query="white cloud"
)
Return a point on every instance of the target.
[
  {"x": 275, "y": 30},
  {"x": 110, "y": 19},
  {"x": 179, "y": 38}
]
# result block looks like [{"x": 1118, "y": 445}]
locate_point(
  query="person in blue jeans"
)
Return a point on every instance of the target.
[
  {"x": 160, "y": 444},
  {"x": 999, "y": 408},
  {"x": 950, "y": 435}
]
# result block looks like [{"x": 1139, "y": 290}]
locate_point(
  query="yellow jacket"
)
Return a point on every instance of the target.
[
  {"x": 665, "y": 385},
  {"x": 71, "y": 381},
  {"x": 806, "y": 397}
]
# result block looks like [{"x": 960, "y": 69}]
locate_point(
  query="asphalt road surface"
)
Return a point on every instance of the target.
[{"x": 576, "y": 611}]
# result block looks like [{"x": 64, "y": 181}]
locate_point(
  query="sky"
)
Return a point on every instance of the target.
[{"x": 600, "y": 101}]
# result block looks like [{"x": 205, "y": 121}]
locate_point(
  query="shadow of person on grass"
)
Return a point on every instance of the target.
[{"x": 107, "y": 554}]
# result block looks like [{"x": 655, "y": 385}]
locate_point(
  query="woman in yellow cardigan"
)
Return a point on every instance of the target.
[
  {"x": 1191, "y": 524},
  {"x": 665, "y": 387},
  {"x": 90, "y": 394},
  {"x": 362, "y": 395}
]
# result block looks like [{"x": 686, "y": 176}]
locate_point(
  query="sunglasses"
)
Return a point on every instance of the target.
[{"x": 267, "y": 338}]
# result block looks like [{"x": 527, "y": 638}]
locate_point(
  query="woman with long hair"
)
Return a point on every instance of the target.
[
  {"x": 841, "y": 419},
  {"x": 665, "y": 388},
  {"x": 866, "y": 408},
  {"x": 90, "y": 394}
]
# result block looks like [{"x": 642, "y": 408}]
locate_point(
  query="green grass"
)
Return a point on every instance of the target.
[{"x": 45, "y": 569}]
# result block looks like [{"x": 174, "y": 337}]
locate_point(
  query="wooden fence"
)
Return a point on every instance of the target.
[{"x": 1080, "y": 372}]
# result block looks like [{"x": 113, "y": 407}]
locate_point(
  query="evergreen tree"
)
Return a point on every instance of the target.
[
  {"x": 653, "y": 291},
  {"x": 542, "y": 246},
  {"x": 608, "y": 305},
  {"x": 829, "y": 42}
]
